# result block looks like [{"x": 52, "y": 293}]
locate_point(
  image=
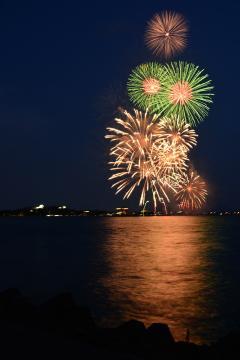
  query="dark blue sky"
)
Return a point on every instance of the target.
[{"x": 63, "y": 69}]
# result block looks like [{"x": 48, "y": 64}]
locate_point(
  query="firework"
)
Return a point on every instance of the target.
[
  {"x": 170, "y": 158},
  {"x": 142, "y": 159},
  {"x": 178, "y": 134},
  {"x": 166, "y": 34},
  {"x": 188, "y": 93},
  {"x": 146, "y": 85},
  {"x": 192, "y": 192},
  {"x": 149, "y": 150}
]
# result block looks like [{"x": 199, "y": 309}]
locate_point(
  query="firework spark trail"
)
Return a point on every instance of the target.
[
  {"x": 177, "y": 133},
  {"x": 192, "y": 191},
  {"x": 142, "y": 157},
  {"x": 166, "y": 34}
]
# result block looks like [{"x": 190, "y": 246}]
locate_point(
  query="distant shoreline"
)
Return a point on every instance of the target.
[
  {"x": 116, "y": 216},
  {"x": 63, "y": 210}
]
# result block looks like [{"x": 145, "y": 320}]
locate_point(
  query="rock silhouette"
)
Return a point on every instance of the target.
[{"x": 61, "y": 329}]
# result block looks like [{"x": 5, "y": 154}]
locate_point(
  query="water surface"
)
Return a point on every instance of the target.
[{"x": 180, "y": 270}]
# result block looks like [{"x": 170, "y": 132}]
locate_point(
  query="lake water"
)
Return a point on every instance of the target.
[{"x": 184, "y": 271}]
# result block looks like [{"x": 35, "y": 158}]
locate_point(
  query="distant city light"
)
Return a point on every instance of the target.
[{"x": 41, "y": 206}]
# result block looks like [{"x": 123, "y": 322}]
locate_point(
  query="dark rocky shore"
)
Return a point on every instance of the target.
[{"x": 60, "y": 329}]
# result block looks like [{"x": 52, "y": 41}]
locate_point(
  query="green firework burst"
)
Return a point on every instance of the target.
[
  {"x": 187, "y": 94},
  {"x": 147, "y": 85}
]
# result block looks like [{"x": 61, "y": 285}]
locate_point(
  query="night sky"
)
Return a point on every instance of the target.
[{"x": 63, "y": 70}]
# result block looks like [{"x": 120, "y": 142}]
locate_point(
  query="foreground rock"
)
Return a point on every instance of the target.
[
  {"x": 160, "y": 335},
  {"x": 61, "y": 329},
  {"x": 61, "y": 313}
]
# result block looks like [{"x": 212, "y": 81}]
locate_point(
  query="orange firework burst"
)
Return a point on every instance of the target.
[
  {"x": 180, "y": 93},
  {"x": 192, "y": 191},
  {"x": 177, "y": 133},
  {"x": 142, "y": 157},
  {"x": 167, "y": 34},
  {"x": 151, "y": 86}
]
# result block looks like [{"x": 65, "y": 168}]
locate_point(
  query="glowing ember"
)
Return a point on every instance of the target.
[
  {"x": 180, "y": 93},
  {"x": 151, "y": 86}
]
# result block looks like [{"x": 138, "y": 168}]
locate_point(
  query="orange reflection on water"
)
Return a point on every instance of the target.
[{"x": 158, "y": 271}]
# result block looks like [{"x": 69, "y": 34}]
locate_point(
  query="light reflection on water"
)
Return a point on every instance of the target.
[
  {"x": 180, "y": 270},
  {"x": 164, "y": 270}
]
